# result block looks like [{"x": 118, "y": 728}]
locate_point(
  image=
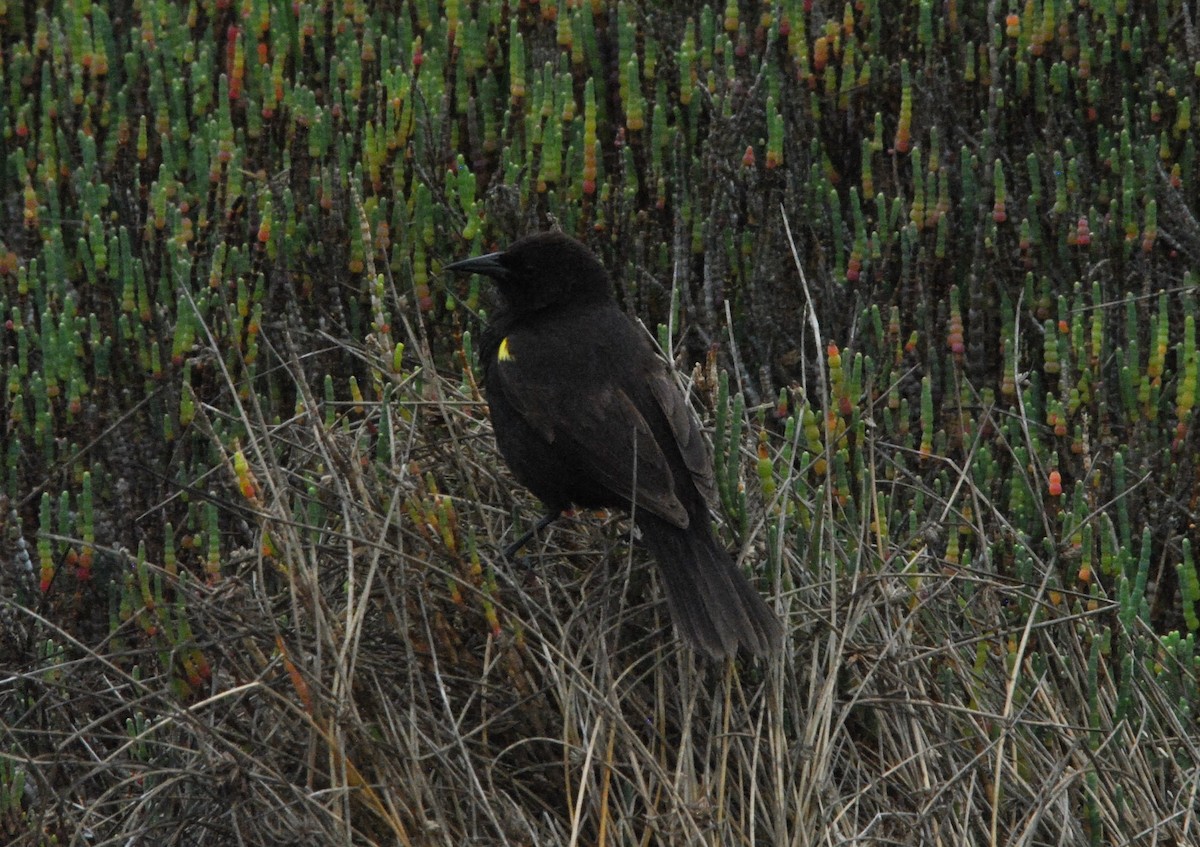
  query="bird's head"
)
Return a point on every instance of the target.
[{"x": 540, "y": 270}]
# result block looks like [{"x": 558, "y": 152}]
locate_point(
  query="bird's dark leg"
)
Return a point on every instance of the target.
[{"x": 511, "y": 550}]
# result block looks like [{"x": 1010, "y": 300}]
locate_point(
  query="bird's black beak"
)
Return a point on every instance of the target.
[{"x": 488, "y": 265}]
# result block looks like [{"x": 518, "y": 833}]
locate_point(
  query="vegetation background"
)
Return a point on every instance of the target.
[{"x": 929, "y": 273}]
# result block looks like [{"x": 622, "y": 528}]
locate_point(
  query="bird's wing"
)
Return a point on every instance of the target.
[
  {"x": 609, "y": 437},
  {"x": 687, "y": 433}
]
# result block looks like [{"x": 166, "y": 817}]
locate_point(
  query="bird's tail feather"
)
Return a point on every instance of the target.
[{"x": 711, "y": 603}]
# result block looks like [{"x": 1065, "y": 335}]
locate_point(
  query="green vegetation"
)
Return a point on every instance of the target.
[{"x": 937, "y": 264}]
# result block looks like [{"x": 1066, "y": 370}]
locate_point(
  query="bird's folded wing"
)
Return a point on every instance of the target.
[
  {"x": 609, "y": 437},
  {"x": 687, "y": 433}
]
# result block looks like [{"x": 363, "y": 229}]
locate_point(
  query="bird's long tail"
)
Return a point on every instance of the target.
[{"x": 713, "y": 606}]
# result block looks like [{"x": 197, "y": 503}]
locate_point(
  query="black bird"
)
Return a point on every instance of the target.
[{"x": 585, "y": 412}]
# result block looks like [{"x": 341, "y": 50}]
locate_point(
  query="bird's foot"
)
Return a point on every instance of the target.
[{"x": 510, "y": 552}]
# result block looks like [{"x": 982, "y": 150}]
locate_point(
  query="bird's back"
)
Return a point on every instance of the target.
[{"x": 579, "y": 357}]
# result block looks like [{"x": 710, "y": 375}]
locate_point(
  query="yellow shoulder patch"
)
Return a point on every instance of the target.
[{"x": 504, "y": 355}]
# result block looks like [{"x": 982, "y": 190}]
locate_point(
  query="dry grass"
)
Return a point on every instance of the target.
[{"x": 382, "y": 677}]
